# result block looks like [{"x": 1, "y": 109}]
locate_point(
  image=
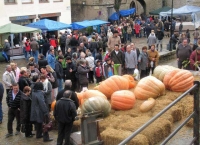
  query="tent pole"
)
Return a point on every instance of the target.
[{"x": 171, "y": 46}]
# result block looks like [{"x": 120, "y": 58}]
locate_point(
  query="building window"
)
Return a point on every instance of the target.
[
  {"x": 43, "y": 1},
  {"x": 9, "y": 1},
  {"x": 26, "y": 1},
  {"x": 57, "y": 0},
  {"x": 95, "y": 2}
]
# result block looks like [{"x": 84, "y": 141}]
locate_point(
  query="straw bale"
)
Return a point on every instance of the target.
[
  {"x": 157, "y": 131},
  {"x": 133, "y": 123},
  {"x": 113, "y": 121},
  {"x": 190, "y": 123},
  {"x": 112, "y": 136}
]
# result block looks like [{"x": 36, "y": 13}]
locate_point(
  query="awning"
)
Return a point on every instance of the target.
[
  {"x": 14, "y": 28},
  {"x": 156, "y": 12},
  {"x": 86, "y": 23},
  {"x": 49, "y": 25},
  {"x": 122, "y": 13}
]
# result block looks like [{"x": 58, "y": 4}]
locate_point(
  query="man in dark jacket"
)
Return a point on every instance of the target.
[
  {"x": 1, "y": 98},
  {"x": 42, "y": 61},
  {"x": 23, "y": 80},
  {"x": 65, "y": 113},
  {"x": 93, "y": 46},
  {"x": 183, "y": 53},
  {"x": 35, "y": 49},
  {"x": 148, "y": 30},
  {"x": 13, "y": 101},
  {"x": 68, "y": 85},
  {"x": 62, "y": 43},
  {"x": 73, "y": 43},
  {"x": 118, "y": 57},
  {"x": 70, "y": 72},
  {"x": 159, "y": 36},
  {"x": 59, "y": 72}
]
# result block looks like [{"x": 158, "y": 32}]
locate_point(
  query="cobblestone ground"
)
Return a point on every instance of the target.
[{"x": 21, "y": 140}]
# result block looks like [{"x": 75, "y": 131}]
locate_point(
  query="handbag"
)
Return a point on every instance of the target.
[{"x": 47, "y": 127}]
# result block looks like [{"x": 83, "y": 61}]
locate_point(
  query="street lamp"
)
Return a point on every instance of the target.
[{"x": 171, "y": 45}]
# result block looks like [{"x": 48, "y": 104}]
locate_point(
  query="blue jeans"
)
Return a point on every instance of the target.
[
  {"x": 195, "y": 41},
  {"x": 1, "y": 112},
  {"x": 129, "y": 37},
  {"x": 35, "y": 55},
  {"x": 60, "y": 84},
  {"x": 27, "y": 54}
]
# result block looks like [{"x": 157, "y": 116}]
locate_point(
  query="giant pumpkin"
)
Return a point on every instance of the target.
[
  {"x": 112, "y": 84},
  {"x": 122, "y": 100},
  {"x": 83, "y": 96},
  {"x": 96, "y": 103},
  {"x": 131, "y": 80},
  {"x": 149, "y": 87},
  {"x": 178, "y": 80},
  {"x": 161, "y": 70}
]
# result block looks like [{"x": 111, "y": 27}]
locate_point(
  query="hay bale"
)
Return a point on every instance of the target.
[
  {"x": 190, "y": 123},
  {"x": 133, "y": 123},
  {"x": 112, "y": 136},
  {"x": 157, "y": 131},
  {"x": 113, "y": 121}
]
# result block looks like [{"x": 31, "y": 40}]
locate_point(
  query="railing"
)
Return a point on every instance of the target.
[{"x": 194, "y": 115}]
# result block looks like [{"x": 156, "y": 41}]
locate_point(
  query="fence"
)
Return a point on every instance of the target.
[{"x": 194, "y": 115}]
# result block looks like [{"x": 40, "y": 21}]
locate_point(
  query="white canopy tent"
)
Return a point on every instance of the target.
[{"x": 194, "y": 11}]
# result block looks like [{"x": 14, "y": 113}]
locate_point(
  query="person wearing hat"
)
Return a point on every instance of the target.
[
  {"x": 115, "y": 39},
  {"x": 195, "y": 59}
]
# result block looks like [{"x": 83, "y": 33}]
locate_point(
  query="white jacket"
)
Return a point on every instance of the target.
[{"x": 8, "y": 79}]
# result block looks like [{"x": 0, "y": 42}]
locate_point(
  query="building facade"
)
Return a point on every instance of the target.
[
  {"x": 24, "y": 12},
  {"x": 102, "y": 9}
]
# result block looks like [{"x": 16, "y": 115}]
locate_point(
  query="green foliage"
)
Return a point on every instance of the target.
[
  {"x": 89, "y": 30},
  {"x": 186, "y": 63},
  {"x": 117, "y": 5}
]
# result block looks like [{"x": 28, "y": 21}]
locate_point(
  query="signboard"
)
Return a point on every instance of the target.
[
  {"x": 18, "y": 18},
  {"x": 49, "y": 15}
]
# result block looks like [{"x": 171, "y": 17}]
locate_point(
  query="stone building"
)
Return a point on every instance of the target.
[{"x": 102, "y": 9}]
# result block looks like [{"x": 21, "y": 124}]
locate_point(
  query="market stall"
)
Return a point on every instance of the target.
[{"x": 7, "y": 32}]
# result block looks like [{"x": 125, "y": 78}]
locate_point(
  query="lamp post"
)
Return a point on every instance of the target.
[{"x": 171, "y": 44}]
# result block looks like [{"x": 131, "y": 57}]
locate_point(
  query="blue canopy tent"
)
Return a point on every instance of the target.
[
  {"x": 86, "y": 23},
  {"x": 48, "y": 25},
  {"x": 122, "y": 13}
]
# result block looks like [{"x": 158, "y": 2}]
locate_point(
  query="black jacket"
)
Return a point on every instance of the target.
[
  {"x": 159, "y": 35},
  {"x": 59, "y": 70},
  {"x": 118, "y": 58},
  {"x": 1, "y": 92},
  {"x": 93, "y": 46},
  {"x": 23, "y": 82},
  {"x": 73, "y": 42},
  {"x": 55, "y": 83},
  {"x": 25, "y": 109},
  {"x": 65, "y": 111},
  {"x": 82, "y": 74},
  {"x": 14, "y": 103},
  {"x": 63, "y": 39},
  {"x": 73, "y": 96},
  {"x": 70, "y": 75},
  {"x": 42, "y": 63}
]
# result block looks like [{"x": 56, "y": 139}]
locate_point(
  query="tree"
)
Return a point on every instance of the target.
[{"x": 117, "y": 5}]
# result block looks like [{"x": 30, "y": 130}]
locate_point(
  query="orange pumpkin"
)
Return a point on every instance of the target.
[
  {"x": 112, "y": 84},
  {"x": 96, "y": 88},
  {"x": 53, "y": 105},
  {"x": 149, "y": 87},
  {"x": 80, "y": 97},
  {"x": 178, "y": 80},
  {"x": 123, "y": 100},
  {"x": 131, "y": 80},
  {"x": 83, "y": 96}
]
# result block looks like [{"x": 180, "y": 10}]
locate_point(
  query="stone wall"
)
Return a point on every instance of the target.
[{"x": 101, "y": 9}]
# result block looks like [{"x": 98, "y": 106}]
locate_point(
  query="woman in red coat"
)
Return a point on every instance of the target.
[
  {"x": 27, "y": 49},
  {"x": 195, "y": 59},
  {"x": 137, "y": 30}
]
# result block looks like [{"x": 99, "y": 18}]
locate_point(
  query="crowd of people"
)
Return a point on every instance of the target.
[{"x": 78, "y": 60}]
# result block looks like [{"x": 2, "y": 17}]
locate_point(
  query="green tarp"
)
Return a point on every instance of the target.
[
  {"x": 14, "y": 28},
  {"x": 163, "y": 9}
]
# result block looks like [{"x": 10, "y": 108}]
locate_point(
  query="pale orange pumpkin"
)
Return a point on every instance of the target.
[
  {"x": 122, "y": 100},
  {"x": 83, "y": 96},
  {"x": 178, "y": 80},
  {"x": 53, "y": 105},
  {"x": 112, "y": 84},
  {"x": 149, "y": 87},
  {"x": 131, "y": 80}
]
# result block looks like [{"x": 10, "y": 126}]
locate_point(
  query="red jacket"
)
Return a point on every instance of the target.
[
  {"x": 27, "y": 45},
  {"x": 193, "y": 58},
  {"x": 98, "y": 71},
  {"x": 137, "y": 28},
  {"x": 53, "y": 42}
]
